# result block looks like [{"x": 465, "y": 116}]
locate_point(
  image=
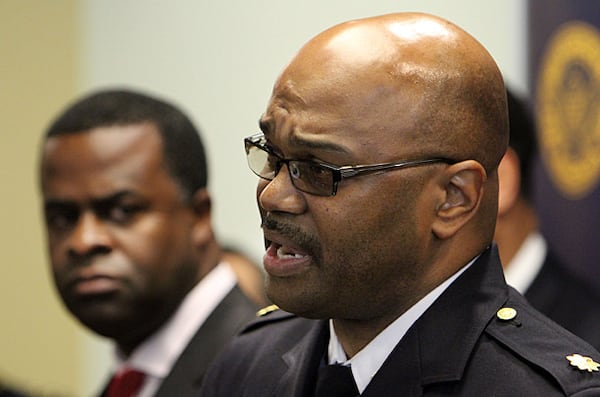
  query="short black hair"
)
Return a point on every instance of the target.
[
  {"x": 183, "y": 150},
  {"x": 522, "y": 139}
]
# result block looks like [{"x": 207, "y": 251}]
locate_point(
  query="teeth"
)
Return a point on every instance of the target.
[{"x": 282, "y": 254}]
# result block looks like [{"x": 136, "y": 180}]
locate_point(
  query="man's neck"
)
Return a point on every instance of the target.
[
  {"x": 354, "y": 335},
  {"x": 513, "y": 228}
]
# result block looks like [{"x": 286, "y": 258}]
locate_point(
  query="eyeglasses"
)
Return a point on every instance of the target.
[{"x": 313, "y": 177}]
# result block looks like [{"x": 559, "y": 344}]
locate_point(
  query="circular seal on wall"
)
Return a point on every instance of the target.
[{"x": 568, "y": 108}]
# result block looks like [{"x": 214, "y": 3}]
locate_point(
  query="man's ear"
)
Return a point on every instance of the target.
[
  {"x": 202, "y": 230},
  {"x": 462, "y": 195},
  {"x": 509, "y": 181}
]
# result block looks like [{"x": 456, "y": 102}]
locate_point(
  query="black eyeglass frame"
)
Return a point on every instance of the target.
[{"x": 338, "y": 172}]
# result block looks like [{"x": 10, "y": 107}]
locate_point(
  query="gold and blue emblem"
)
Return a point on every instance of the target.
[{"x": 568, "y": 108}]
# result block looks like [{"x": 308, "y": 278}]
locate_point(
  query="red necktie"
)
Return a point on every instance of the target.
[{"x": 125, "y": 383}]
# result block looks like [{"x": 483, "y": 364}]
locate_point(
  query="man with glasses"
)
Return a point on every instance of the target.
[{"x": 378, "y": 195}]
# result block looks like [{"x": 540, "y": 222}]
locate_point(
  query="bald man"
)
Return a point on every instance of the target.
[{"x": 378, "y": 194}]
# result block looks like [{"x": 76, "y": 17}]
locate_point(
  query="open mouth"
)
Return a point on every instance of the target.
[
  {"x": 284, "y": 252},
  {"x": 282, "y": 260}
]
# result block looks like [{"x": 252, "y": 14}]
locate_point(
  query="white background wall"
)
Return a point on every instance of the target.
[{"x": 218, "y": 60}]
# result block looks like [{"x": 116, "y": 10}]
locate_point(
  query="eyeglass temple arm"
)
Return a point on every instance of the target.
[{"x": 350, "y": 172}]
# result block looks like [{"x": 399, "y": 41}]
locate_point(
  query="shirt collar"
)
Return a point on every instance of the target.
[
  {"x": 157, "y": 354},
  {"x": 369, "y": 360},
  {"x": 527, "y": 262}
]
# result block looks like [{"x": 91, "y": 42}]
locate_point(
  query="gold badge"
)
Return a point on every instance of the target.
[
  {"x": 266, "y": 310},
  {"x": 506, "y": 313},
  {"x": 583, "y": 363},
  {"x": 568, "y": 108}
]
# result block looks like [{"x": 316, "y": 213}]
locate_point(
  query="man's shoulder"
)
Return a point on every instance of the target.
[
  {"x": 567, "y": 299},
  {"x": 542, "y": 344},
  {"x": 258, "y": 347},
  {"x": 273, "y": 319},
  {"x": 574, "y": 288}
]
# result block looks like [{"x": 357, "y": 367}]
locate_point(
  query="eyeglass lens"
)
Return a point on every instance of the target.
[{"x": 306, "y": 176}]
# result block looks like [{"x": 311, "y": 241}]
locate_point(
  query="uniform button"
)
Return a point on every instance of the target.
[{"x": 506, "y": 313}]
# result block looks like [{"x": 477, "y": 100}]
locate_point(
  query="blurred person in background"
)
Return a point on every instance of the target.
[
  {"x": 9, "y": 391},
  {"x": 133, "y": 252},
  {"x": 529, "y": 263},
  {"x": 250, "y": 280}
]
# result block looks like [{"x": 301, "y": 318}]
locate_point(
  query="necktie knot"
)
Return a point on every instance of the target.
[
  {"x": 125, "y": 383},
  {"x": 335, "y": 381}
]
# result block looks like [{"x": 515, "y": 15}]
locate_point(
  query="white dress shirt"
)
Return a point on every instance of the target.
[
  {"x": 367, "y": 362},
  {"x": 527, "y": 262},
  {"x": 157, "y": 354}
]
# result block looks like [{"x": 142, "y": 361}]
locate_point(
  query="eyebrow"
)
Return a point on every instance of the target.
[
  {"x": 100, "y": 201},
  {"x": 319, "y": 145},
  {"x": 266, "y": 128}
]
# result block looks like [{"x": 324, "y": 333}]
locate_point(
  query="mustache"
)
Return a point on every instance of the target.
[{"x": 295, "y": 234}]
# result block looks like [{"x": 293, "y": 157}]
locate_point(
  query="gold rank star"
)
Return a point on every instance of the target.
[{"x": 583, "y": 363}]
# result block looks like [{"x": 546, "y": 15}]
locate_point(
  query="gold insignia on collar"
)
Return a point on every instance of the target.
[
  {"x": 506, "y": 313},
  {"x": 583, "y": 363},
  {"x": 266, "y": 310}
]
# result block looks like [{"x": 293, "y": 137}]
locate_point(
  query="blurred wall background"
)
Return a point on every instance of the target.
[
  {"x": 40, "y": 346},
  {"x": 215, "y": 59}
]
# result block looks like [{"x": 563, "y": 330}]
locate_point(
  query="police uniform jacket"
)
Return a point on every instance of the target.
[
  {"x": 558, "y": 294},
  {"x": 461, "y": 346}
]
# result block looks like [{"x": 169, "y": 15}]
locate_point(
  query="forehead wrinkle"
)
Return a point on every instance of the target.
[
  {"x": 296, "y": 136},
  {"x": 316, "y": 144},
  {"x": 287, "y": 92}
]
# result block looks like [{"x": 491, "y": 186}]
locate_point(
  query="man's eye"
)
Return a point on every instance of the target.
[
  {"x": 295, "y": 171},
  {"x": 123, "y": 213},
  {"x": 310, "y": 171},
  {"x": 61, "y": 218},
  {"x": 317, "y": 171}
]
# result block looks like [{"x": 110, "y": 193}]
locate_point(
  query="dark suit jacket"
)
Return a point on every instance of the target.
[
  {"x": 558, "y": 294},
  {"x": 459, "y": 347},
  {"x": 228, "y": 318}
]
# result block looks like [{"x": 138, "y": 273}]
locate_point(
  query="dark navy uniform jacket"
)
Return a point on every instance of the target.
[
  {"x": 460, "y": 346},
  {"x": 564, "y": 298}
]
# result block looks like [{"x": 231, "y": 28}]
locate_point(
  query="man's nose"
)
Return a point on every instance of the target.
[
  {"x": 90, "y": 236},
  {"x": 280, "y": 194}
]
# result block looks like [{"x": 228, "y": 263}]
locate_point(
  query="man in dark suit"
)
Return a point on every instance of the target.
[
  {"x": 378, "y": 195},
  {"x": 132, "y": 249},
  {"x": 529, "y": 264}
]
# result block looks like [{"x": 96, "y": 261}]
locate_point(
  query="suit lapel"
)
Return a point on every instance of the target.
[{"x": 223, "y": 323}]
